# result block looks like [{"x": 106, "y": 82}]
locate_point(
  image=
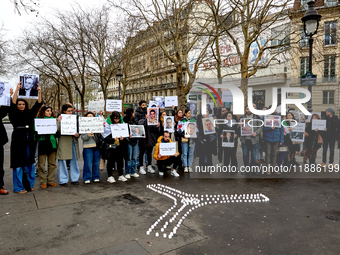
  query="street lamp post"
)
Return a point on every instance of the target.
[
  {"x": 310, "y": 26},
  {"x": 119, "y": 76}
]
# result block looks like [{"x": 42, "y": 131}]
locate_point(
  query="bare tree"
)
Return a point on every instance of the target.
[
  {"x": 27, "y": 6},
  {"x": 173, "y": 25},
  {"x": 3, "y": 51}
]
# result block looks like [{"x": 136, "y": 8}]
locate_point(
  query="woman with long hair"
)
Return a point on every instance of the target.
[
  {"x": 91, "y": 154},
  {"x": 23, "y": 144},
  {"x": 288, "y": 140},
  {"x": 47, "y": 150},
  {"x": 311, "y": 141},
  {"x": 68, "y": 149}
]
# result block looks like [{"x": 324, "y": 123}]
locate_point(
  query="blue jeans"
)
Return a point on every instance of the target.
[
  {"x": 187, "y": 150},
  {"x": 145, "y": 157},
  {"x": 247, "y": 148},
  {"x": 18, "y": 173},
  {"x": 91, "y": 156},
  {"x": 74, "y": 168},
  {"x": 131, "y": 159},
  {"x": 331, "y": 145}
]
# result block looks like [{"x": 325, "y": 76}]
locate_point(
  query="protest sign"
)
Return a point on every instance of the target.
[
  {"x": 246, "y": 130},
  {"x": 68, "y": 124},
  {"x": 171, "y": 101},
  {"x": 228, "y": 138},
  {"x": 137, "y": 131},
  {"x": 227, "y": 96},
  {"x": 119, "y": 130},
  {"x": 29, "y": 84},
  {"x": 319, "y": 124},
  {"x": 169, "y": 124},
  {"x": 96, "y": 106},
  {"x": 113, "y": 105},
  {"x": 91, "y": 125},
  {"x": 190, "y": 129},
  {"x": 5, "y": 97},
  {"x": 272, "y": 121},
  {"x": 45, "y": 126},
  {"x": 167, "y": 149},
  {"x": 298, "y": 132}
]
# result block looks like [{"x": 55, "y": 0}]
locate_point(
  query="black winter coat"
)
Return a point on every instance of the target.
[
  {"x": 139, "y": 115},
  {"x": 206, "y": 143},
  {"x": 151, "y": 134},
  {"x": 3, "y": 135},
  {"x": 332, "y": 131},
  {"x": 22, "y": 136},
  {"x": 131, "y": 141},
  {"x": 311, "y": 141}
]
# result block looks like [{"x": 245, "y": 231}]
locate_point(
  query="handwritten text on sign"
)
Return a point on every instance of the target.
[
  {"x": 45, "y": 126},
  {"x": 119, "y": 130},
  {"x": 167, "y": 149},
  {"x": 91, "y": 124},
  {"x": 171, "y": 101},
  {"x": 319, "y": 124},
  {"x": 68, "y": 124},
  {"x": 96, "y": 106},
  {"x": 113, "y": 105}
]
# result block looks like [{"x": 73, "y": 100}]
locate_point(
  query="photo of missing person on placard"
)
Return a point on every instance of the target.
[
  {"x": 153, "y": 116},
  {"x": 246, "y": 130},
  {"x": 137, "y": 131},
  {"x": 169, "y": 124},
  {"x": 159, "y": 100},
  {"x": 210, "y": 107},
  {"x": 190, "y": 129},
  {"x": 192, "y": 106},
  {"x": 272, "y": 121},
  {"x": 29, "y": 85},
  {"x": 228, "y": 138},
  {"x": 5, "y": 97},
  {"x": 208, "y": 126}
]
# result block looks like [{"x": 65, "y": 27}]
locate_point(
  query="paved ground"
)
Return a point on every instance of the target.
[{"x": 302, "y": 217}]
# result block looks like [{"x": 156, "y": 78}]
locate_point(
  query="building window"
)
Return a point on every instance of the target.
[
  {"x": 328, "y": 97},
  {"x": 184, "y": 82},
  {"x": 171, "y": 93},
  {"x": 171, "y": 78},
  {"x": 304, "y": 65},
  {"x": 280, "y": 36},
  {"x": 329, "y": 68},
  {"x": 330, "y": 33},
  {"x": 160, "y": 93},
  {"x": 303, "y": 39},
  {"x": 330, "y": 3}
]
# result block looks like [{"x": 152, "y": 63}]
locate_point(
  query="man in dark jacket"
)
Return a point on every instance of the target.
[
  {"x": 141, "y": 111},
  {"x": 329, "y": 136}
]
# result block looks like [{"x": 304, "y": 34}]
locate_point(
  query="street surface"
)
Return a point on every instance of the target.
[{"x": 302, "y": 216}]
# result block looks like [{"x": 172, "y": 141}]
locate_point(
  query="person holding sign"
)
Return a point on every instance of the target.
[
  {"x": 23, "y": 144},
  {"x": 114, "y": 150},
  {"x": 329, "y": 136},
  {"x": 164, "y": 161},
  {"x": 3, "y": 140},
  {"x": 91, "y": 154},
  {"x": 68, "y": 149},
  {"x": 47, "y": 150},
  {"x": 311, "y": 141}
]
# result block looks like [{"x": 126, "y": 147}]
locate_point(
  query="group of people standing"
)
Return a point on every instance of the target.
[{"x": 131, "y": 157}]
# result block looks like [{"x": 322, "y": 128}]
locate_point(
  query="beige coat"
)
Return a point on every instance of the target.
[{"x": 64, "y": 151}]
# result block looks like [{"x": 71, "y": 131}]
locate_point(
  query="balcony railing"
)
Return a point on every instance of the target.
[{"x": 328, "y": 79}]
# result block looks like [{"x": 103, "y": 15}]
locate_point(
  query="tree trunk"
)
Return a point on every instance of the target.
[
  {"x": 182, "y": 102},
  {"x": 82, "y": 105}
]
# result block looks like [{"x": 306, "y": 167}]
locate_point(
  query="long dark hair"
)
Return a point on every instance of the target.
[
  {"x": 113, "y": 115},
  {"x": 129, "y": 112},
  {"x": 41, "y": 113},
  {"x": 26, "y": 104},
  {"x": 65, "y": 107}
]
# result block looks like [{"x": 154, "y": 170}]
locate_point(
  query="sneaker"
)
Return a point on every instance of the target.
[
  {"x": 135, "y": 175},
  {"x": 174, "y": 173},
  {"x": 190, "y": 169},
  {"x": 111, "y": 179},
  {"x": 150, "y": 170},
  {"x": 141, "y": 170},
  {"x": 160, "y": 173},
  {"x": 96, "y": 180},
  {"x": 122, "y": 178},
  {"x": 87, "y": 182},
  {"x": 186, "y": 169},
  {"x": 323, "y": 164},
  {"x": 220, "y": 164},
  {"x": 127, "y": 176}
]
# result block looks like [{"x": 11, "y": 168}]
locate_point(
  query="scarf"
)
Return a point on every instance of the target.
[{"x": 53, "y": 140}]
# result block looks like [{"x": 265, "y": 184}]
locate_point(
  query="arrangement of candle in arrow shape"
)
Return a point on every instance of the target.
[{"x": 191, "y": 202}]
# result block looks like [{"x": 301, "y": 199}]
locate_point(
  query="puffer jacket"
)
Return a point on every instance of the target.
[
  {"x": 159, "y": 141},
  {"x": 273, "y": 135}
]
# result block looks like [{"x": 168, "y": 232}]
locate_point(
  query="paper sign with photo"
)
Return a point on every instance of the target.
[
  {"x": 228, "y": 138},
  {"x": 68, "y": 124},
  {"x": 171, "y": 101},
  {"x": 169, "y": 124},
  {"x": 153, "y": 116},
  {"x": 319, "y": 124},
  {"x": 91, "y": 125},
  {"x": 190, "y": 129},
  {"x": 5, "y": 97},
  {"x": 298, "y": 132},
  {"x": 119, "y": 130},
  {"x": 137, "y": 131},
  {"x": 246, "y": 129},
  {"x": 29, "y": 86},
  {"x": 153, "y": 104},
  {"x": 208, "y": 126},
  {"x": 167, "y": 149},
  {"x": 159, "y": 100},
  {"x": 45, "y": 126},
  {"x": 113, "y": 105},
  {"x": 272, "y": 121}
]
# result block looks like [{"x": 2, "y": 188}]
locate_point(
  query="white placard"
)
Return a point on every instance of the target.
[
  {"x": 171, "y": 101},
  {"x": 228, "y": 138},
  {"x": 45, "y": 126},
  {"x": 153, "y": 104},
  {"x": 68, "y": 124},
  {"x": 137, "y": 131},
  {"x": 298, "y": 132},
  {"x": 113, "y": 105},
  {"x": 96, "y": 106},
  {"x": 91, "y": 125},
  {"x": 5, "y": 97},
  {"x": 246, "y": 130},
  {"x": 272, "y": 121},
  {"x": 159, "y": 100},
  {"x": 227, "y": 96},
  {"x": 119, "y": 130},
  {"x": 153, "y": 116},
  {"x": 29, "y": 84},
  {"x": 319, "y": 124},
  {"x": 167, "y": 149},
  {"x": 169, "y": 124},
  {"x": 190, "y": 129}
]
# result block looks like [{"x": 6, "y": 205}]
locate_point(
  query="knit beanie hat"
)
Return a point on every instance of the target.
[{"x": 330, "y": 109}]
